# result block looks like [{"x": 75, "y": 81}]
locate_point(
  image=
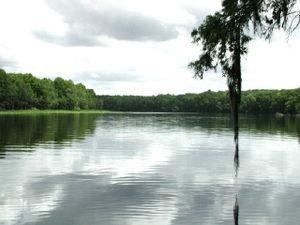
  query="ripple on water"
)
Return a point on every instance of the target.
[{"x": 147, "y": 169}]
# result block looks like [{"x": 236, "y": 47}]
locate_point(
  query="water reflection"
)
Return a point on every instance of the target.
[
  {"x": 236, "y": 156},
  {"x": 152, "y": 169},
  {"x": 22, "y": 133},
  {"x": 236, "y": 165},
  {"x": 236, "y": 209}
]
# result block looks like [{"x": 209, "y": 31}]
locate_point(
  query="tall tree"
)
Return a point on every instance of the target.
[
  {"x": 224, "y": 41},
  {"x": 224, "y": 37}
]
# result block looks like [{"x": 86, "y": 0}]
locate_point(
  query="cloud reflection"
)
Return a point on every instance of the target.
[{"x": 152, "y": 169}]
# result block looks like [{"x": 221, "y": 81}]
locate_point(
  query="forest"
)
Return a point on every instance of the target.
[
  {"x": 253, "y": 101},
  {"x": 24, "y": 91}
]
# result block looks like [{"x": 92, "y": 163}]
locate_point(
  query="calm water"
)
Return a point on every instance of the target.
[{"x": 148, "y": 169}]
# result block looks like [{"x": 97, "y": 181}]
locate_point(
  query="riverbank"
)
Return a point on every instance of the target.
[
  {"x": 58, "y": 111},
  {"x": 49, "y": 111}
]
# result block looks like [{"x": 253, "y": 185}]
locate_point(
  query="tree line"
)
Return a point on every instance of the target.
[
  {"x": 252, "y": 101},
  {"x": 24, "y": 91}
]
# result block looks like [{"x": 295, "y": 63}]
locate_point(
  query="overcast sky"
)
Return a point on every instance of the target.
[{"x": 130, "y": 46}]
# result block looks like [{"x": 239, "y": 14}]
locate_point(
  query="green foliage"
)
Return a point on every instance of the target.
[
  {"x": 67, "y": 96},
  {"x": 253, "y": 101},
  {"x": 8, "y": 91},
  {"x": 24, "y": 91},
  {"x": 224, "y": 37},
  {"x": 25, "y": 97}
]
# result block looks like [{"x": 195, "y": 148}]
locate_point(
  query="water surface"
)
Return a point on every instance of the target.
[{"x": 141, "y": 169}]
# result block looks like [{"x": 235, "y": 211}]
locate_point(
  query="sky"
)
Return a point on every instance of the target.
[{"x": 131, "y": 47}]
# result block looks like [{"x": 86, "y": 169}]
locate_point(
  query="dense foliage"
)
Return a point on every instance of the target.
[
  {"x": 24, "y": 91},
  {"x": 253, "y": 101},
  {"x": 224, "y": 38}
]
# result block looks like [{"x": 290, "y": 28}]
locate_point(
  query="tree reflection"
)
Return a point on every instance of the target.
[
  {"x": 236, "y": 152},
  {"x": 236, "y": 164},
  {"x": 236, "y": 211},
  {"x": 235, "y": 120},
  {"x": 27, "y": 131},
  {"x": 236, "y": 159}
]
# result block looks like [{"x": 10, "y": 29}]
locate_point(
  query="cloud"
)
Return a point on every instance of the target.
[
  {"x": 199, "y": 12},
  {"x": 69, "y": 39},
  {"x": 108, "y": 77},
  {"x": 87, "y": 23},
  {"x": 7, "y": 63},
  {"x": 104, "y": 82}
]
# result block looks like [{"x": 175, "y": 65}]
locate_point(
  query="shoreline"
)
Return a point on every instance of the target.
[
  {"x": 52, "y": 111},
  {"x": 92, "y": 111}
]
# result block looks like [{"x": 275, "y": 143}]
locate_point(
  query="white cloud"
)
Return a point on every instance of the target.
[
  {"x": 274, "y": 64},
  {"x": 136, "y": 65}
]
